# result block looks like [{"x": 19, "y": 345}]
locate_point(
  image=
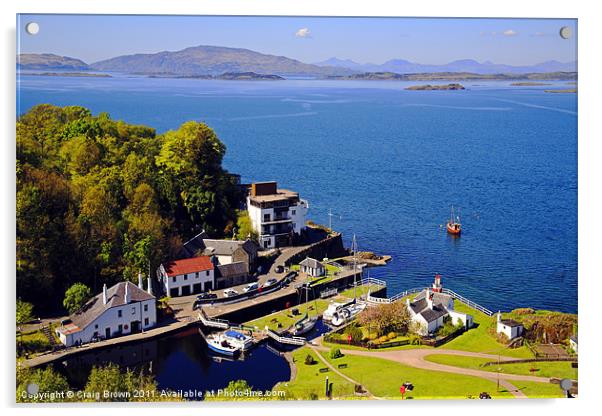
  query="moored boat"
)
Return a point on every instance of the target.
[
  {"x": 304, "y": 325},
  {"x": 238, "y": 339},
  {"x": 347, "y": 313},
  {"x": 453, "y": 224},
  {"x": 219, "y": 343}
]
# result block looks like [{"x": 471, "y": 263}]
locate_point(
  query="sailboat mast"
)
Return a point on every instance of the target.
[{"x": 354, "y": 248}]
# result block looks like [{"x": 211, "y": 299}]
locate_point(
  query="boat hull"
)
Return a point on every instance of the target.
[
  {"x": 227, "y": 352},
  {"x": 305, "y": 327},
  {"x": 454, "y": 229}
]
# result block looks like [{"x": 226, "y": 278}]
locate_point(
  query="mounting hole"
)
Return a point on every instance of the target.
[
  {"x": 32, "y": 28},
  {"x": 565, "y": 32}
]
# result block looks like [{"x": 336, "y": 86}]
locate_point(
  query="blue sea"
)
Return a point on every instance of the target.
[{"x": 390, "y": 163}]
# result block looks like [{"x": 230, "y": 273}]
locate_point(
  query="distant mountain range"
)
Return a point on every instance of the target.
[
  {"x": 402, "y": 66},
  {"x": 217, "y": 60},
  {"x": 49, "y": 61}
]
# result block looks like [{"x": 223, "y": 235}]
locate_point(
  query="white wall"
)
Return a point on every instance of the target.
[
  {"x": 191, "y": 279},
  {"x": 510, "y": 331},
  {"x": 110, "y": 319},
  {"x": 461, "y": 317}
]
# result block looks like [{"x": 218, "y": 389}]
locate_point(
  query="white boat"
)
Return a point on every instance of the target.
[
  {"x": 238, "y": 339},
  {"x": 347, "y": 313},
  {"x": 220, "y": 344},
  {"x": 332, "y": 309}
]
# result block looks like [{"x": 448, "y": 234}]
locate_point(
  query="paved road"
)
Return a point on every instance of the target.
[{"x": 416, "y": 358}]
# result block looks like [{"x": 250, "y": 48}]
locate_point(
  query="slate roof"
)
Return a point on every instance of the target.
[
  {"x": 312, "y": 263},
  {"x": 207, "y": 246},
  {"x": 232, "y": 269},
  {"x": 432, "y": 314},
  {"x": 438, "y": 298},
  {"x": 95, "y": 306},
  {"x": 185, "y": 266}
]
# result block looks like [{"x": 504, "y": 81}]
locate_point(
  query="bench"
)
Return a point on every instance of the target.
[{"x": 324, "y": 370}]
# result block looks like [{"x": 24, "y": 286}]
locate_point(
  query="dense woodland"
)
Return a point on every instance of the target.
[{"x": 98, "y": 199}]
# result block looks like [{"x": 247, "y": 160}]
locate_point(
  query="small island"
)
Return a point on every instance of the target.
[
  {"x": 563, "y": 91},
  {"x": 230, "y": 76},
  {"x": 428, "y": 87},
  {"x": 528, "y": 84},
  {"x": 70, "y": 74}
]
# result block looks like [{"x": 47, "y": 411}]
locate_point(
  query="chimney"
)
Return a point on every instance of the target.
[
  {"x": 150, "y": 286},
  {"x": 499, "y": 316},
  {"x": 429, "y": 299},
  {"x": 105, "y": 295},
  {"x": 140, "y": 282},
  {"x": 126, "y": 296}
]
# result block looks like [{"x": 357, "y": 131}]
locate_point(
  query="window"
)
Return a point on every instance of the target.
[
  {"x": 185, "y": 277},
  {"x": 133, "y": 311},
  {"x": 118, "y": 314},
  {"x": 293, "y": 212},
  {"x": 173, "y": 279},
  {"x": 145, "y": 321},
  {"x": 96, "y": 326},
  {"x": 266, "y": 217},
  {"x": 207, "y": 273},
  {"x": 197, "y": 275},
  {"x": 146, "y": 308}
]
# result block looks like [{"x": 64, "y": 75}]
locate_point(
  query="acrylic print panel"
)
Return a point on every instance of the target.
[{"x": 295, "y": 208}]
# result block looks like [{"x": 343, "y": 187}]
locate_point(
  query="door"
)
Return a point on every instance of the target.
[
  {"x": 197, "y": 288},
  {"x": 135, "y": 325},
  {"x": 185, "y": 290},
  {"x": 175, "y": 292},
  {"x": 107, "y": 333},
  {"x": 208, "y": 286}
]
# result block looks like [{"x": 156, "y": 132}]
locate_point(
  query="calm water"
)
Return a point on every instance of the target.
[
  {"x": 390, "y": 163},
  {"x": 182, "y": 362}
]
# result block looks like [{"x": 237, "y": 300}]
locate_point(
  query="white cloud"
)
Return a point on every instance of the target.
[
  {"x": 509, "y": 32},
  {"x": 303, "y": 33}
]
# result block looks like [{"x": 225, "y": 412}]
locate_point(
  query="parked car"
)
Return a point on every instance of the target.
[
  {"x": 269, "y": 282},
  {"x": 230, "y": 292},
  {"x": 206, "y": 295},
  {"x": 250, "y": 287},
  {"x": 409, "y": 386},
  {"x": 484, "y": 395},
  {"x": 290, "y": 276},
  {"x": 280, "y": 268}
]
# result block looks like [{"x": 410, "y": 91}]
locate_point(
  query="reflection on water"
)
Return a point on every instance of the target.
[{"x": 182, "y": 361}]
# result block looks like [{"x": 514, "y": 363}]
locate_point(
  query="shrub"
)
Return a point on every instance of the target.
[
  {"x": 313, "y": 396},
  {"x": 391, "y": 335},
  {"x": 372, "y": 337},
  {"x": 383, "y": 339},
  {"x": 355, "y": 332},
  {"x": 335, "y": 353},
  {"x": 415, "y": 339},
  {"x": 309, "y": 360}
]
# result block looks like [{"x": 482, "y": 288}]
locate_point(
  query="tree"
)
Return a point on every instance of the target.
[
  {"x": 244, "y": 227},
  {"x": 24, "y": 312},
  {"x": 386, "y": 317},
  {"x": 76, "y": 296},
  {"x": 47, "y": 381}
]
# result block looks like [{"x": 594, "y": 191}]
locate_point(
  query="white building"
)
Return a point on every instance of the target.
[
  {"x": 276, "y": 214},
  {"x": 573, "y": 343},
  {"x": 511, "y": 328},
  {"x": 431, "y": 307},
  {"x": 312, "y": 267},
  {"x": 120, "y": 310},
  {"x": 187, "y": 276}
]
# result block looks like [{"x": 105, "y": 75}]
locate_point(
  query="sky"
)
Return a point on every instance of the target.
[{"x": 308, "y": 39}]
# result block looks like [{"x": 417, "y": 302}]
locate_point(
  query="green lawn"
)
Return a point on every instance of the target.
[
  {"x": 286, "y": 318},
  {"x": 384, "y": 377},
  {"x": 535, "y": 390},
  {"x": 309, "y": 381},
  {"x": 480, "y": 339},
  {"x": 560, "y": 369},
  {"x": 359, "y": 291}
]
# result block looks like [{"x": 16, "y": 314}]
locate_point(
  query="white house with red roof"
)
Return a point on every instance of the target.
[
  {"x": 187, "y": 276},
  {"x": 120, "y": 310}
]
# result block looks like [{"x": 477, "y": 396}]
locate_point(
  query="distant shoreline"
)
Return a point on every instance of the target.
[{"x": 69, "y": 74}]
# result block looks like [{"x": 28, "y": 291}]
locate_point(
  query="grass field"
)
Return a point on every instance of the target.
[
  {"x": 310, "y": 382},
  {"x": 560, "y": 369},
  {"x": 286, "y": 318},
  {"x": 534, "y": 390},
  {"x": 480, "y": 339},
  {"x": 383, "y": 379},
  {"x": 359, "y": 291}
]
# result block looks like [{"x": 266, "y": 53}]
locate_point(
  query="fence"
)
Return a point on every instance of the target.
[
  {"x": 531, "y": 360},
  {"x": 334, "y": 339}
]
